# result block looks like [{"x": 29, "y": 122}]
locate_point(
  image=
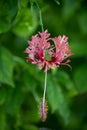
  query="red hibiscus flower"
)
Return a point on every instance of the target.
[{"x": 48, "y": 52}]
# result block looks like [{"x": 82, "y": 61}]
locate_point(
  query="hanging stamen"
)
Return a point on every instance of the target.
[
  {"x": 43, "y": 110},
  {"x": 43, "y": 105}
]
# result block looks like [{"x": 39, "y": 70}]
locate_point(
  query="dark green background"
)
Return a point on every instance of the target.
[{"x": 21, "y": 83}]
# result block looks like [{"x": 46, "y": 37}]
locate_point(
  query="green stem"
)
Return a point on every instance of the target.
[
  {"x": 40, "y": 15},
  {"x": 19, "y": 4}
]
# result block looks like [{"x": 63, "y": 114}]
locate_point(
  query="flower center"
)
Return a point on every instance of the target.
[{"x": 47, "y": 56}]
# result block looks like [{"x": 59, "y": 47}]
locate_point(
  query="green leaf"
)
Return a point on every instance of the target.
[
  {"x": 4, "y": 26},
  {"x": 6, "y": 67},
  {"x": 30, "y": 127},
  {"x": 31, "y": 71},
  {"x": 2, "y": 119},
  {"x": 64, "y": 80},
  {"x": 14, "y": 100},
  {"x": 30, "y": 111},
  {"x": 29, "y": 81},
  {"x": 24, "y": 24},
  {"x": 54, "y": 95},
  {"x": 31, "y": 116},
  {"x": 24, "y": 3},
  {"x": 79, "y": 48},
  {"x": 82, "y": 20},
  {"x": 2, "y": 95},
  {"x": 57, "y": 99},
  {"x": 69, "y": 7},
  {"x": 80, "y": 78},
  {"x": 7, "y": 14}
]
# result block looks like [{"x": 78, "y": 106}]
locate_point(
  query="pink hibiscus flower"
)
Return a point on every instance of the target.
[{"x": 48, "y": 52}]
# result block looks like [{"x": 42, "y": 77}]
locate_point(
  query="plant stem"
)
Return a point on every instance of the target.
[{"x": 40, "y": 15}]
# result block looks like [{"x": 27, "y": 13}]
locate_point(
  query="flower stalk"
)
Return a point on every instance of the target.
[{"x": 40, "y": 16}]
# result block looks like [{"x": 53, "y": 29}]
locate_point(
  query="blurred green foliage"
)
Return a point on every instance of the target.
[{"x": 21, "y": 83}]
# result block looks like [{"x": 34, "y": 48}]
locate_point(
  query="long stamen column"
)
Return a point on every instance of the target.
[{"x": 43, "y": 107}]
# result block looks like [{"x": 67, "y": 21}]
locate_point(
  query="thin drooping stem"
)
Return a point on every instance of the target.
[
  {"x": 58, "y": 3},
  {"x": 41, "y": 22},
  {"x": 40, "y": 16},
  {"x": 45, "y": 85},
  {"x": 19, "y": 4}
]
